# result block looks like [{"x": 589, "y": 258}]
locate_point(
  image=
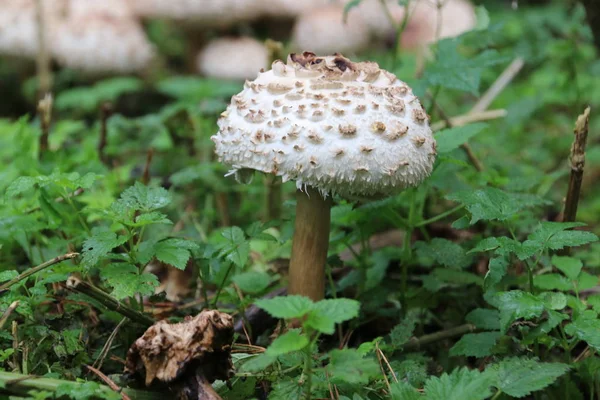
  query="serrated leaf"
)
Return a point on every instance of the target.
[
  {"x": 98, "y": 246},
  {"x": 494, "y": 204},
  {"x": 452, "y": 138},
  {"x": 443, "y": 252},
  {"x": 475, "y": 344},
  {"x": 150, "y": 218},
  {"x": 252, "y": 282},
  {"x": 518, "y": 377},
  {"x": 403, "y": 331},
  {"x": 21, "y": 185},
  {"x": 326, "y": 313},
  {"x": 175, "y": 252},
  {"x": 145, "y": 198},
  {"x": 556, "y": 236},
  {"x": 288, "y": 342},
  {"x": 454, "y": 71},
  {"x": 126, "y": 281},
  {"x": 404, "y": 391},
  {"x": 569, "y": 266},
  {"x": 286, "y": 307},
  {"x": 552, "y": 282},
  {"x": 461, "y": 384},
  {"x": 237, "y": 248},
  {"x": 517, "y": 304},
  {"x": 351, "y": 367},
  {"x": 585, "y": 329},
  {"x": 497, "y": 268},
  {"x": 258, "y": 363},
  {"x": 457, "y": 277},
  {"x": 484, "y": 318},
  {"x": 553, "y": 300}
]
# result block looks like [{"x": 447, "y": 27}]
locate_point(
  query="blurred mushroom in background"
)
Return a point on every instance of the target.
[
  {"x": 18, "y": 26},
  {"x": 101, "y": 37},
  {"x": 323, "y": 30},
  {"x": 233, "y": 58}
]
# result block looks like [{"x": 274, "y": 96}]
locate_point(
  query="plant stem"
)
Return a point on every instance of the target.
[
  {"x": 220, "y": 289},
  {"x": 37, "y": 269},
  {"x": 310, "y": 244},
  {"x": 43, "y": 58},
  {"x": 76, "y": 284},
  {"x": 465, "y": 119},
  {"x": 577, "y": 164},
  {"x": 307, "y": 372},
  {"x": 407, "y": 248}
]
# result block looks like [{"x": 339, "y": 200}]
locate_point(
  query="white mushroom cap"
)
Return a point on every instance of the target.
[
  {"x": 324, "y": 31},
  {"x": 339, "y": 126},
  {"x": 233, "y": 58},
  {"x": 18, "y": 27},
  {"x": 110, "y": 8},
  {"x": 99, "y": 43},
  {"x": 211, "y": 12}
]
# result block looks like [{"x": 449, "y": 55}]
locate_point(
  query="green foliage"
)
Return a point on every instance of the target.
[
  {"x": 519, "y": 377},
  {"x": 460, "y": 384}
]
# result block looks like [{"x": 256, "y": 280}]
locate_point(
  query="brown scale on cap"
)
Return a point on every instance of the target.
[
  {"x": 347, "y": 130},
  {"x": 419, "y": 115},
  {"x": 361, "y": 108},
  {"x": 419, "y": 141},
  {"x": 338, "y": 112},
  {"x": 278, "y": 88},
  {"x": 378, "y": 127},
  {"x": 366, "y": 149},
  {"x": 315, "y": 137}
]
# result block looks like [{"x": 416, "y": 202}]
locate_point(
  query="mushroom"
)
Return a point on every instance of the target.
[
  {"x": 324, "y": 30},
  {"x": 233, "y": 58},
  {"x": 335, "y": 127},
  {"x": 19, "y": 30},
  {"x": 101, "y": 39},
  {"x": 291, "y": 8},
  {"x": 187, "y": 356},
  {"x": 454, "y": 18}
]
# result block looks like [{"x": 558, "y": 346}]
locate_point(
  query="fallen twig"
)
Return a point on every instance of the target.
[
  {"x": 465, "y": 119},
  {"x": 7, "y": 313},
  {"x": 109, "y": 382},
  {"x": 498, "y": 86},
  {"x": 417, "y": 343},
  {"x": 37, "y": 269},
  {"x": 76, "y": 284},
  {"x": 105, "y": 113}
]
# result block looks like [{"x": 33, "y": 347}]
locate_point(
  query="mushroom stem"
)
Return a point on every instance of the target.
[{"x": 310, "y": 244}]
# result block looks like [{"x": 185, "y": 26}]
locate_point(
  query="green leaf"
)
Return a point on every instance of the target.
[
  {"x": 555, "y": 236},
  {"x": 99, "y": 245},
  {"x": 484, "y": 318},
  {"x": 569, "y": 266},
  {"x": 287, "y": 343},
  {"x": 237, "y": 248},
  {"x": 443, "y": 252},
  {"x": 21, "y": 185},
  {"x": 326, "y": 313},
  {"x": 586, "y": 329},
  {"x": 126, "y": 281},
  {"x": 252, "y": 282},
  {"x": 552, "y": 282},
  {"x": 497, "y": 268},
  {"x": 404, "y": 391},
  {"x": 517, "y": 304},
  {"x": 518, "y": 377},
  {"x": 553, "y": 300},
  {"x": 286, "y": 307},
  {"x": 404, "y": 330},
  {"x": 461, "y": 384},
  {"x": 175, "y": 252},
  {"x": 454, "y": 71},
  {"x": 150, "y": 218},
  {"x": 258, "y": 363},
  {"x": 483, "y": 18},
  {"x": 351, "y": 367},
  {"x": 494, "y": 204},
  {"x": 452, "y": 138},
  {"x": 145, "y": 198},
  {"x": 475, "y": 344}
]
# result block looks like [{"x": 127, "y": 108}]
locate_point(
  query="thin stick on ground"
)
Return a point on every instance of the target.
[
  {"x": 382, "y": 368},
  {"x": 146, "y": 173},
  {"x": 106, "y": 348},
  {"x": 387, "y": 363},
  {"x": 577, "y": 159},
  {"x": 498, "y": 86},
  {"x": 76, "y": 284},
  {"x": 13, "y": 306},
  {"x": 44, "y": 110},
  {"x": 111, "y": 384},
  {"x": 469, "y": 118},
  {"x": 417, "y": 343},
  {"x": 37, "y": 269}
]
